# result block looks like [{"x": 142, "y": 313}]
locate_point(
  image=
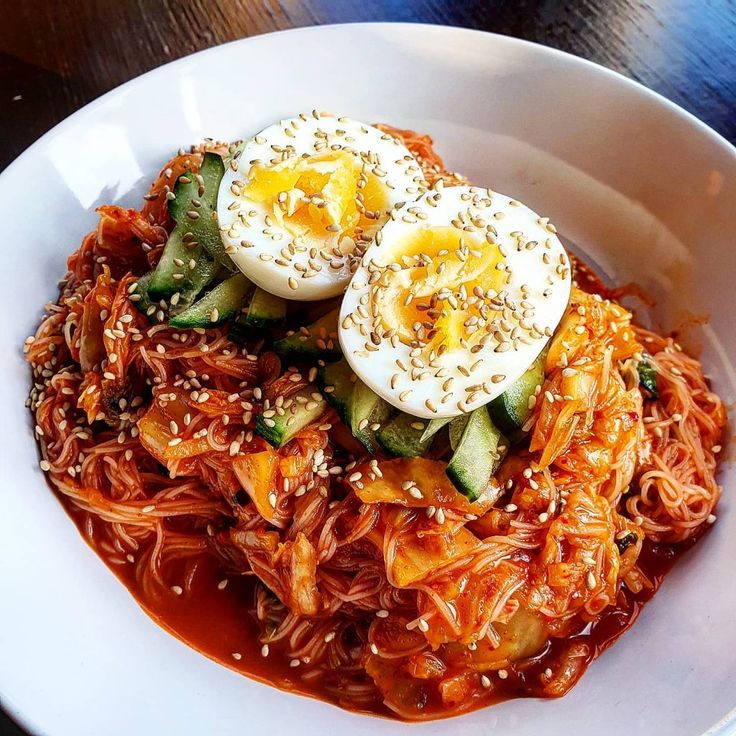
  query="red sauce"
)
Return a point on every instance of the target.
[{"x": 220, "y": 622}]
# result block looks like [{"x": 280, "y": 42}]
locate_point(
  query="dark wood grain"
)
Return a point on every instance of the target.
[{"x": 56, "y": 56}]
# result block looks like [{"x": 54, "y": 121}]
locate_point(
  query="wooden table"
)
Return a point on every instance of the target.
[{"x": 56, "y": 56}]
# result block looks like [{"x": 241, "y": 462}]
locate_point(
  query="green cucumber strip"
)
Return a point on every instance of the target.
[
  {"x": 184, "y": 192},
  {"x": 399, "y": 438},
  {"x": 365, "y": 408},
  {"x": 239, "y": 332},
  {"x": 265, "y": 310},
  {"x": 206, "y": 232},
  {"x": 220, "y": 305},
  {"x": 648, "y": 378},
  {"x": 318, "y": 340},
  {"x": 434, "y": 426},
  {"x": 194, "y": 208},
  {"x": 476, "y": 457},
  {"x": 144, "y": 303},
  {"x": 457, "y": 427},
  {"x": 212, "y": 170},
  {"x": 337, "y": 381},
  {"x": 169, "y": 277},
  {"x": 304, "y": 409},
  {"x": 511, "y": 409}
]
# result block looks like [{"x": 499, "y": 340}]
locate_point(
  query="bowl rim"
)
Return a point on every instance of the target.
[
  {"x": 727, "y": 723},
  {"x": 673, "y": 107}
]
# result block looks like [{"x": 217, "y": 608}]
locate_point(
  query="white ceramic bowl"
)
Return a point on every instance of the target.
[{"x": 641, "y": 186}]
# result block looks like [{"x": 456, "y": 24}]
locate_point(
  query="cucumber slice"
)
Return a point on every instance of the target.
[
  {"x": 212, "y": 170},
  {"x": 306, "y": 407},
  {"x": 337, "y": 381},
  {"x": 194, "y": 207},
  {"x": 648, "y": 378},
  {"x": 364, "y": 409},
  {"x": 511, "y": 409},
  {"x": 457, "y": 427},
  {"x": 265, "y": 310},
  {"x": 239, "y": 332},
  {"x": 400, "y": 438},
  {"x": 476, "y": 457},
  {"x": 217, "y": 306},
  {"x": 173, "y": 273},
  {"x": 143, "y": 303},
  {"x": 434, "y": 426},
  {"x": 317, "y": 340},
  {"x": 206, "y": 232},
  {"x": 185, "y": 190}
]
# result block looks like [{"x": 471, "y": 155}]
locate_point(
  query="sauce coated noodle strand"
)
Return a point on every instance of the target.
[{"x": 372, "y": 606}]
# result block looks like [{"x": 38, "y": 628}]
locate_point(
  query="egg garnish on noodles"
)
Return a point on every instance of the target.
[
  {"x": 302, "y": 199},
  {"x": 456, "y": 297}
]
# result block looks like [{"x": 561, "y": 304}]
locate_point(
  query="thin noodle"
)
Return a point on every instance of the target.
[{"x": 374, "y": 602}]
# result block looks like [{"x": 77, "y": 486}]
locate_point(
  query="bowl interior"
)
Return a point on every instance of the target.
[{"x": 635, "y": 183}]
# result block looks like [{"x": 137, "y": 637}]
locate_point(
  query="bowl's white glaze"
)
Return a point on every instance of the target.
[{"x": 647, "y": 191}]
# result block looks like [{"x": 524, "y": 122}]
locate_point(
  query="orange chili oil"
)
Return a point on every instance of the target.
[{"x": 220, "y": 623}]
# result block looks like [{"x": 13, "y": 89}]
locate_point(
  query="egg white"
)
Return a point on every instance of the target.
[
  {"x": 265, "y": 251},
  {"x": 538, "y": 274}
]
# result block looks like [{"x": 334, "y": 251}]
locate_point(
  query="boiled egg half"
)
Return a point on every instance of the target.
[
  {"x": 302, "y": 199},
  {"x": 457, "y": 295}
]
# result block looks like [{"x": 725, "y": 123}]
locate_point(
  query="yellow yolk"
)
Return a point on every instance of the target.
[
  {"x": 319, "y": 195},
  {"x": 428, "y": 293}
]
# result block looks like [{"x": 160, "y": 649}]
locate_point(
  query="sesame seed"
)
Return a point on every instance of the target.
[
  {"x": 294, "y": 663},
  {"x": 237, "y": 656},
  {"x": 485, "y": 681},
  {"x": 177, "y": 589},
  {"x": 222, "y": 584},
  {"x": 503, "y": 674},
  {"x": 329, "y": 636},
  {"x": 382, "y": 613},
  {"x": 44, "y": 465},
  {"x": 423, "y": 625},
  {"x": 711, "y": 518}
]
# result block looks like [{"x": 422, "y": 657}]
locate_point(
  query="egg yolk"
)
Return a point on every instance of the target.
[
  {"x": 435, "y": 293},
  {"x": 319, "y": 196}
]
